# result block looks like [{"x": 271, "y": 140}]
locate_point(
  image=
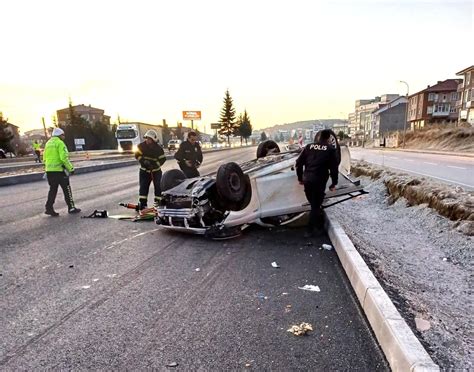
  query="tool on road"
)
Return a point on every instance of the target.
[
  {"x": 97, "y": 214},
  {"x": 129, "y": 206}
]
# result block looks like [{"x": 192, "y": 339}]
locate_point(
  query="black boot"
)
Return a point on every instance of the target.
[{"x": 51, "y": 212}]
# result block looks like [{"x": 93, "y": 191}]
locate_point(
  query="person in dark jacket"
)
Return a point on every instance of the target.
[
  {"x": 151, "y": 157},
  {"x": 313, "y": 167},
  {"x": 189, "y": 156}
]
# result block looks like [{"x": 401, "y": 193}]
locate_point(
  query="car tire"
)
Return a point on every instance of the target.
[
  {"x": 266, "y": 147},
  {"x": 334, "y": 142},
  {"x": 171, "y": 178},
  {"x": 231, "y": 183}
]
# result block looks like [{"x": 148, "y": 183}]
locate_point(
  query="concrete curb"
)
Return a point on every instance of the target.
[
  {"x": 38, "y": 176},
  {"x": 401, "y": 347}
]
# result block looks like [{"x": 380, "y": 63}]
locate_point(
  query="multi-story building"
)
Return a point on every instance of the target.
[
  {"x": 390, "y": 117},
  {"x": 351, "y": 123},
  {"x": 362, "y": 124},
  {"x": 90, "y": 114},
  {"x": 434, "y": 105},
  {"x": 465, "y": 90}
]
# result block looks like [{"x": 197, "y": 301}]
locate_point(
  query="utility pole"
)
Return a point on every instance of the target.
[
  {"x": 406, "y": 113},
  {"x": 44, "y": 128}
]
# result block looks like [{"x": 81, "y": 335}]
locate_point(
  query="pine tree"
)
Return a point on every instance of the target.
[
  {"x": 227, "y": 119},
  {"x": 263, "y": 137},
  {"x": 245, "y": 128}
]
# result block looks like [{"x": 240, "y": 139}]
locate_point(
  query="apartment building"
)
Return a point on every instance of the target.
[
  {"x": 362, "y": 123},
  {"x": 465, "y": 91},
  {"x": 434, "y": 105},
  {"x": 90, "y": 114},
  {"x": 390, "y": 117}
]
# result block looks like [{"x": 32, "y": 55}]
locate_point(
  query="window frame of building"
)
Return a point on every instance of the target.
[
  {"x": 429, "y": 110},
  {"x": 431, "y": 97},
  {"x": 468, "y": 78}
]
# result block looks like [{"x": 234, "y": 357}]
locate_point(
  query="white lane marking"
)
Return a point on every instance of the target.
[
  {"x": 409, "y": 160},
  {"x": 392, "y": 157},
  {"x": 453, "y": 166},
  {"x": 427, "y": 162},
  {"x": 430, "y": 176}
]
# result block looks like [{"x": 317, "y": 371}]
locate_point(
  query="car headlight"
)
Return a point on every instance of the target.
[{"x": 120, "y": 149}]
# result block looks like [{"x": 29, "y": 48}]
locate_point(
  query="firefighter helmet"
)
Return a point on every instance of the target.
[{"x": 151, "y": 134}]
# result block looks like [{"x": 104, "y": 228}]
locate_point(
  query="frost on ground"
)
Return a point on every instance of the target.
[{"x": 424, "y": 264}]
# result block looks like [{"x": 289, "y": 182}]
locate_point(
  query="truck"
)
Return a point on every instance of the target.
[{"x": 130, "y": 135}]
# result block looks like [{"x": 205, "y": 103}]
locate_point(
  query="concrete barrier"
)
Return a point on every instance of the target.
[{"x": 38, "y": 176}]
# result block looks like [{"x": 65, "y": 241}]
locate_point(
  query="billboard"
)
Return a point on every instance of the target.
[
  {"x": 215, "y": 125},
  {"x": 191, "y": 115}
]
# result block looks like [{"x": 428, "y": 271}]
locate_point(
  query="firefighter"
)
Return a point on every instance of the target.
[
  {"x": 318, "y": 160},
  {"x": 58, "y": 168},
  {"x": 151, "y": 157},
  {"x": 189, "y": 156}
]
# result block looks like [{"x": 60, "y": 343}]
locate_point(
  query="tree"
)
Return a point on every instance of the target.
[
  {"x": 5, "y": 135},
  {"x": 245, "y": 127},
  {"x": 227, "y": 119},
  {"x": 166, "y": 133},
  {"x": 263, "y": 137},
  {"x": 214, "y": 139},
  {"x": 282, "y": 138},
  {"x": 179, "y": 131}
]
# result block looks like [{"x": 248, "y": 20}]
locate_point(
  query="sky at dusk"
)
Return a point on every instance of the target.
[{"x": 282, "y": 61}]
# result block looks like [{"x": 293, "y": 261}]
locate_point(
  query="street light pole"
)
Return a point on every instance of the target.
[{"x": 406, "y": 113}]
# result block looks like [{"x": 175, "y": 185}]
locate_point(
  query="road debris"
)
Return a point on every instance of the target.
[
  {"x": 197, "y": 269},
  {"x": 310, "y": 287},
  {"x": 172, "y": 364},
  {"x": 275, "y": 265},
  {"x": 327, "y": 247},
  {"x": 261, "y": 296},
  {"x": 422, "y": 324},
  {"x": 300, "y": 330}
]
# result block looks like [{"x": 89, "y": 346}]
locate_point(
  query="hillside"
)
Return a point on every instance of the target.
[
  {"x": 306, "y": 124},
  {"x": 442, "y": 138}
]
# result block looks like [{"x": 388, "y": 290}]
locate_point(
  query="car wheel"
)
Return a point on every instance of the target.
[
  {"x": 231, "y": 183},
  {"x": 171, "y": 178},
  {"x": 333, "y": 142},
  {"x": 267, "y": 147}
]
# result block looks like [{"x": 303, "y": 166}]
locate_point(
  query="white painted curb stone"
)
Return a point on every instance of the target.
[{"x": 402, "y": 349}]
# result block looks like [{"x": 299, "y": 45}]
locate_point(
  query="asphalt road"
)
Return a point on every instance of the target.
[
  {"x": 109, "y": 294},
  {"x": 453, "y": 170}
]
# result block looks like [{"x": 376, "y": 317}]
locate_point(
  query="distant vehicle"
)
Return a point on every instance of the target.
[
  {"x": 173, "y": 145},
  {"x": 130, "y": 135}
]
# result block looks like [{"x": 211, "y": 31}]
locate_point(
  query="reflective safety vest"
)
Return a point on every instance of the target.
[
  {"x": 36, "y": 146},
  {"x": 56, "y": 156}
]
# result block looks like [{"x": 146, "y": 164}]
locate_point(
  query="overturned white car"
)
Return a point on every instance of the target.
[{"x": 263, "y": 191}]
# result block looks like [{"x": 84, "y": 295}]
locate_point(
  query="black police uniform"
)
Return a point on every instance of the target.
[
  {"x": 151, "y": 158},
  {"x": 318, "y": 160},
  {"x": 192, "y": 152}
]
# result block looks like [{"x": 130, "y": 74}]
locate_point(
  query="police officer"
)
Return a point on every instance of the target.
[
  {"x": 318, "y": 160},
  {"x": 189, "y": 156},
  {"x": 151, "y": 157},
  {"x": 58, "y": 168},
  {"x": 37, "y": 150}
]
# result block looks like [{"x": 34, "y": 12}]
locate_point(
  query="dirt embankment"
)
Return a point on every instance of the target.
[
  {"x": 442, "y": 138},
  {"x": 449, "y": 201}
]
